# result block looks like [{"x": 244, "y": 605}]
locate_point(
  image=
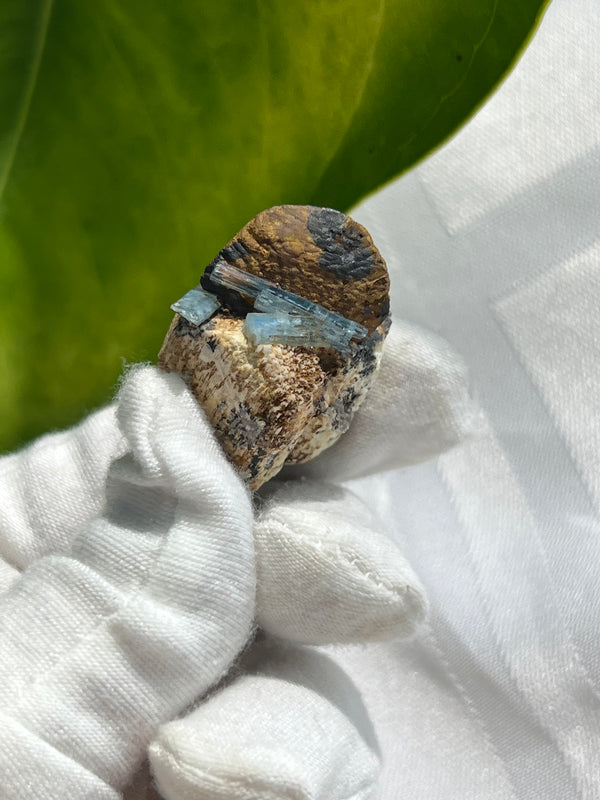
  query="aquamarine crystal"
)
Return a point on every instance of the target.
[
  {"x": 229, "y": 277},
  {"x": 291, "y": 319},
  {"x": 272, "y": 299},
  {"x": 196, "y": 306},
  {"x": 289, "y": 329}
]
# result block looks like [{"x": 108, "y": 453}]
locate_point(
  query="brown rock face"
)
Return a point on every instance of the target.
[
  {"x": 318, "y": 253},
  {"x": 275, "y": 404}
]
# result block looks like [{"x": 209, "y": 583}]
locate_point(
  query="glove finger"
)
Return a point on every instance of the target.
[
  {"x": 8, "y": 575},
  {"x": 287, "y": 731},
  {"x": 152, "y": 605},
  {"x": 418, "y": 407},
  {"x": 325, "y": 571},
  {"x": 51, "y": 488}
]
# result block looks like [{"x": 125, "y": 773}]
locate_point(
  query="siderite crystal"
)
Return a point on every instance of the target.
[{"x": 281, "y": 367}]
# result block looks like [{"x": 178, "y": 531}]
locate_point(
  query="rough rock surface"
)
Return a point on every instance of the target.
[{"x": 275, "y": 404}]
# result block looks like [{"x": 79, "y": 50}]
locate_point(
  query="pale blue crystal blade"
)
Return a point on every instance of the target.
[
  {"x": 336, "y": 327},
  {"x": 340, "y": 339},
  {"x": 273, "y": 300},
  {"x": 196, "y": 306},
  {"x": 288, "y": 329},
  {"x": 229, "y": 277}
]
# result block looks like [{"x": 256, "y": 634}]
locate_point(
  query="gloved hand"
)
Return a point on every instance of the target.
[{"x": 133, "y": 569}]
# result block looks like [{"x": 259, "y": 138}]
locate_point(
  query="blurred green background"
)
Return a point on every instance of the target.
[{"x": 137, "y": 137}]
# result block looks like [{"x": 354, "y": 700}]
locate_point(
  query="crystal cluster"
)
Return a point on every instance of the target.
[
  {"x": 329, "y": 328},
  {"x": 286, "y": 317}
]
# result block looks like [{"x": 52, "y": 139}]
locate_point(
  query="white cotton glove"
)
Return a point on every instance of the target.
[
  {"x": 155, "y": 598},
  {"x": 146, "y": 612}
]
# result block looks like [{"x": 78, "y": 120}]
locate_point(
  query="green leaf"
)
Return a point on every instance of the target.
[{"x": 137, "y": 136}]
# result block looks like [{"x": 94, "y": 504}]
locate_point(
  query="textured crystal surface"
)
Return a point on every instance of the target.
[
  {"x": 230, "y": 277},
  {"x": 289, "y": 329},
  {"x": 196, "y": 305},
  {"x": 272, "y": 299},
  {"x": 314, "y": 324}
]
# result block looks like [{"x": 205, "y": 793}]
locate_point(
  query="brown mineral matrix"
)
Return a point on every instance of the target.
[{"x": 276, "y": 404}]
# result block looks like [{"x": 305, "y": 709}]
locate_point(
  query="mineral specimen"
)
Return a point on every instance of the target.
[{"x": 285, "y": 360}]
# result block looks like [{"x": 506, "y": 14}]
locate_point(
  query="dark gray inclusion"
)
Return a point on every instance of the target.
[
  {"x": 185, "y": 328},
  {"x": 233, "y": 251},
  {"x": 344, "y": 254},
  {"x": 241, "y": 427},
  {"x": 233, "y": 300}
]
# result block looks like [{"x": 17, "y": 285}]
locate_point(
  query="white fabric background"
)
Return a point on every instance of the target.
[{"x": 494, "y": 242}]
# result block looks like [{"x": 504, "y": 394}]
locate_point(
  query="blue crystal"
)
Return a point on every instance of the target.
[
  {"x": 333, "y": 326},
  {"x": 229, "y": 277},
  {"x": 312, "y": 323},
  {"x": 288, "y": 329},
  {"x": 196, "y": 306}
]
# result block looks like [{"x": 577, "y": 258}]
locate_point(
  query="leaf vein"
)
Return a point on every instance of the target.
[
  {"x": 445, "y": 97},
  {"x": 360, "y": 94},
  {"x": 25, "y": 106}
]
